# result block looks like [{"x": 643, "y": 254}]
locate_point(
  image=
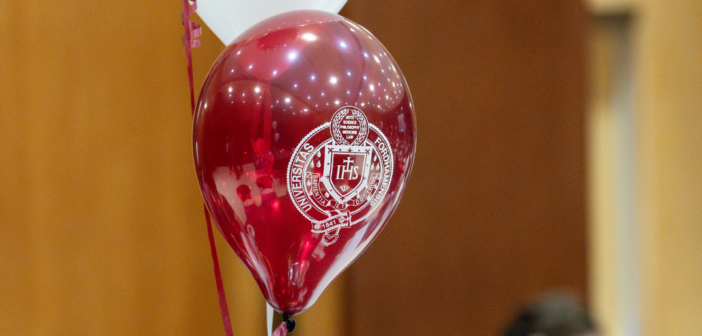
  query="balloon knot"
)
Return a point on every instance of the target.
[{"x": 289, "y": 323}]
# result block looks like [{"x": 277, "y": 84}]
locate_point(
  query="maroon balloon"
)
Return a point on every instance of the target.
[{"x": 304, "y": 139}]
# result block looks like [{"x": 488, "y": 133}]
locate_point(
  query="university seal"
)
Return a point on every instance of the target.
[{"x": 340, "y": 172}]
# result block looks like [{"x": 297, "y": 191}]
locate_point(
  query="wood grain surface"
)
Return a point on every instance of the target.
[
  {"x": 494, "y": 212},
  {"x": 100, "y": 214}
]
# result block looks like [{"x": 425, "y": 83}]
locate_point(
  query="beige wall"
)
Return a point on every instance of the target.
[
  {"x": 667, "y": 60},
  {"x": 669, "y": 48}
]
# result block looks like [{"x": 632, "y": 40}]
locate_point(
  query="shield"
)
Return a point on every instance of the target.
[{"x": 346, "y": 170}]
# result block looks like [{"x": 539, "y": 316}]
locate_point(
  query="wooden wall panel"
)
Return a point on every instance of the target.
[
  {"x": 100, "y": 214},
  {"x": 495, "y": 210},
  {"x": 99, "y": 208}
]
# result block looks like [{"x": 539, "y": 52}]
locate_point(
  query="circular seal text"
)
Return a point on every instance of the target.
[{"x": 340, "y": 172}]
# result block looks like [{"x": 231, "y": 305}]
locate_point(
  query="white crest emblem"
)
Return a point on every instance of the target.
[{"x": 337, "y": 179}]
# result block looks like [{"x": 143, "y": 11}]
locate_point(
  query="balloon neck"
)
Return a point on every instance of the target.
[{"x": 289, "y": 323}]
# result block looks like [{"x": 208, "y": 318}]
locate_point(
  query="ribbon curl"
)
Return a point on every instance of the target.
[{"x": 192, "y": 31}]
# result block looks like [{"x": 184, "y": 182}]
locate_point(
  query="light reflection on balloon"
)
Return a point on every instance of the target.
[{"x": 280, "y": 83}]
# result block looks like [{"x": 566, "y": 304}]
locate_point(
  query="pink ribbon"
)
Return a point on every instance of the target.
[
  {"x": 193, "y": 31},
  {"x": 282, "y": 330}
]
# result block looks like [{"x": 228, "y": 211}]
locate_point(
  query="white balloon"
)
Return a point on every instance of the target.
[{"x": 229, "y": 18}]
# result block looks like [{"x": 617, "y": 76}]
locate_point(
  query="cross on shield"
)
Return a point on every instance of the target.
[{"x": 346, "y": 170}]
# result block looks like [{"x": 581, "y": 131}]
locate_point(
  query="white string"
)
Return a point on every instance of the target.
[{"x": 269, "y": 318}]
